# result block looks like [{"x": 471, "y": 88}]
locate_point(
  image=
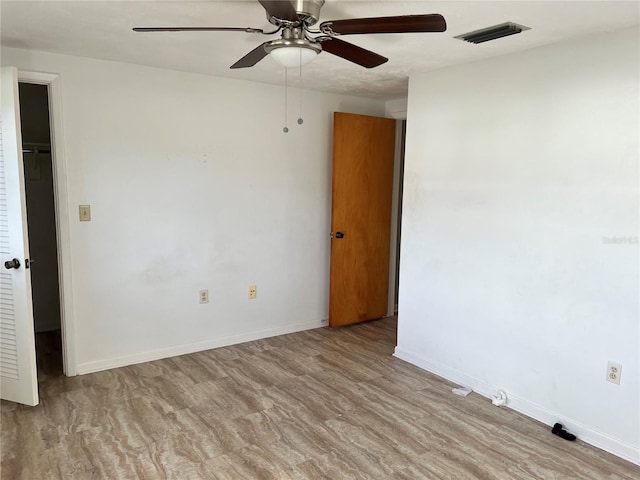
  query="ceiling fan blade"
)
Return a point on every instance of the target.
[
  {"x": 198, "y": 29},
  {"x": 251, "y": 58},
  {"x": 400, "y": 24},
  {"x": 281, "y": 9},
  {"x": 351, "y": 52}
]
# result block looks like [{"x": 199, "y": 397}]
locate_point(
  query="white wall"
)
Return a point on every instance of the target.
[
  {"x": 396, "y": 108},
  {"x": 192, "y": 186},
  {"x": 517, "y": 168}
]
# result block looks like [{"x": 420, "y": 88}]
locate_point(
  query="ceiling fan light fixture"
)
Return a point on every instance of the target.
[
  {"x": 293, "y": 56},
  {"x": 293, "y": 53}
]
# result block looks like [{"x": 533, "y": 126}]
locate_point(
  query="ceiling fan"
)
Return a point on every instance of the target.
[{"x": 296, "y": 46}]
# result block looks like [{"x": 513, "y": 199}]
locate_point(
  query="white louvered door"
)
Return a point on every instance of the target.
[{"x": 18, "y": 376}]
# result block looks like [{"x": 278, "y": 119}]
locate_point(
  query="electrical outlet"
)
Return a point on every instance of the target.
[
  {"x": 252, "y": 292},
  {"x": 614, "y": 372},
  {"x": 204, "y": 296}
]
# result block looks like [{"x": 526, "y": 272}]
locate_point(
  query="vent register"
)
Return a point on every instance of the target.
[{"x": 492, "y": 33}]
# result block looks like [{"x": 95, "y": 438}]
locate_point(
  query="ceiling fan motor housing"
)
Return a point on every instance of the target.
[
  {"x": 307, "y": 10},
  {"x": 293, "y": 38}
]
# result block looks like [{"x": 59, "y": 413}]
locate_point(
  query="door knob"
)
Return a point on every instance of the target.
[
  {"x": 9, "y": 264},
  {"x": 339, "y": 235}
]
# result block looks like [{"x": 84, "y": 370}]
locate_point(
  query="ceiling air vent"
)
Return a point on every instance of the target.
[{"x": 491, "y": 33}]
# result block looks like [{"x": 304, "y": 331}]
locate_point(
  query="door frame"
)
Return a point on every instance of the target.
[
  {"x": 396, "y": 208},
  {"x": 63, "y": 220}
]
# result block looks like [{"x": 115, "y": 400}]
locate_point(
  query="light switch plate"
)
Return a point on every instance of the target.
[{"x": 85, "y": 213}]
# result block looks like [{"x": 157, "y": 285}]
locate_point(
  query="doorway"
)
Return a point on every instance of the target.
[
  {"x": 368, "y": 171},
  {"x": 42, "y": 230},
  {"x": 396, "y": 217}
]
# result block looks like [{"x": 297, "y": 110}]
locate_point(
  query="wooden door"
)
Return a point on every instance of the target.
[
  {"x": 18, "y": 376},
  {"x": 363, "y": 154}
]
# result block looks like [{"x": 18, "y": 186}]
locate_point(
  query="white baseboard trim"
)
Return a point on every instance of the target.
[
  {"x": 585, "y": 433},
  {"x": 151, "y": 355}
]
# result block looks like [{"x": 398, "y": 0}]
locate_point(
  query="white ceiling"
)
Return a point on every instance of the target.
[{"x": 102, "y": 29}]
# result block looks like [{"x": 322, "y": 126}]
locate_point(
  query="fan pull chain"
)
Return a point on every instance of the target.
[
  {"x": 286, "y": 85},
  {"x": 300, "y": 121}
]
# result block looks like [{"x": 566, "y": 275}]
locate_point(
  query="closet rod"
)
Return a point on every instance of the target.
[
  {"x": 36, "y": 147},
  {"x": 36, "y": 150}
]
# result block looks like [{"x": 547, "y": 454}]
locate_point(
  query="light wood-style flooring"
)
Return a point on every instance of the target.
[{"x": 320, "y": 404}]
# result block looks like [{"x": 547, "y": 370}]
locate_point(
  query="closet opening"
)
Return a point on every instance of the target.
[{"x": 41, "y": 223}]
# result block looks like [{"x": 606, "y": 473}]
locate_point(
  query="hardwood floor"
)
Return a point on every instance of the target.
[{"x": 320, "y": 404}]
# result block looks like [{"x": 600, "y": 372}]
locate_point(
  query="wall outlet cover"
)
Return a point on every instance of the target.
[
  {"x": 204, "y": 296},
  {"x": 614, "y": 372}
]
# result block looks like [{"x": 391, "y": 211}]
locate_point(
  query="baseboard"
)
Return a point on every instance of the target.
[
  {"x": 585, "y": 433},
  {"x": 151, "y": 355}
]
